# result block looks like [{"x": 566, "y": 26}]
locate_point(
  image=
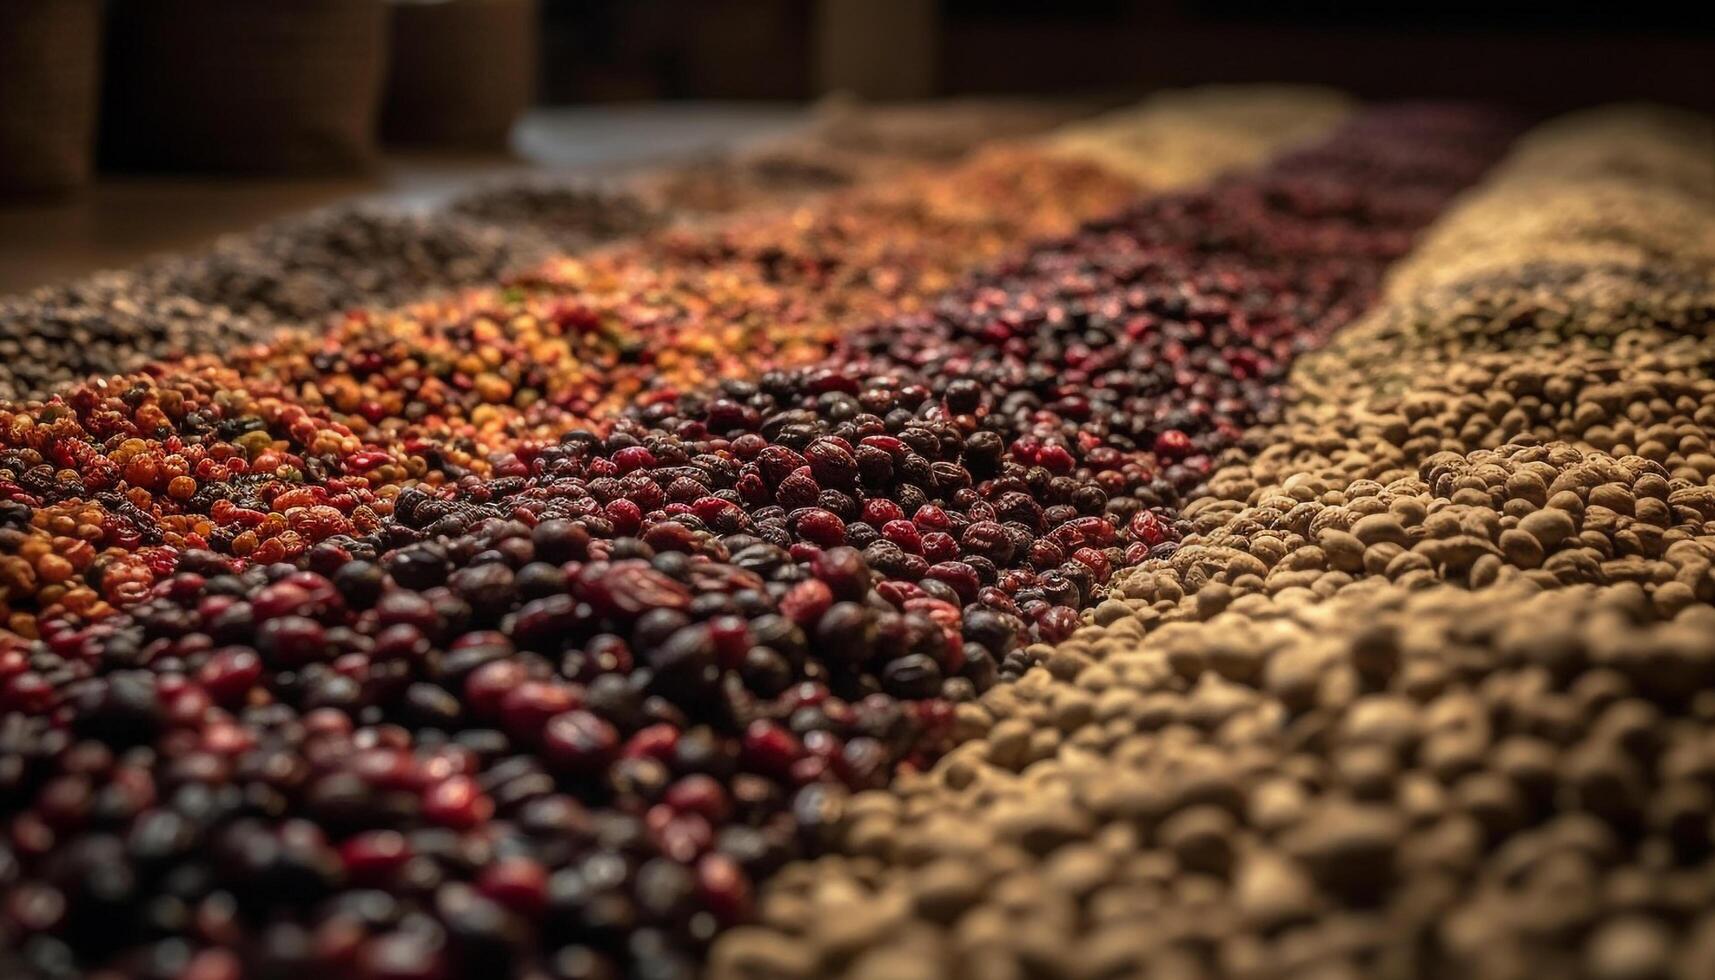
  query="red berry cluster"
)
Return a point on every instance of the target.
[
  {"x": 311, "y": 435},
  {"x": 553, "y": 712}
]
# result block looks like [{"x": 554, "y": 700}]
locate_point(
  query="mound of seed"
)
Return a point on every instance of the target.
[
  {"x": 574, "y": 214},
  {"x": 1588, "y": 467},
  {"x": 1608, "y": 187},
  {"x": 114, "y": 321},
  {"x": 1638, "y": 143},
  {"x": 1423, "y": 414},
  {"x": 1178, "y": 137},
  {"x": 1194, "y": 783},
  {"x": 1389, "y": 783},
  {"x": 849, "y": 143},
  {"x": 312, "y": 436},
  {"x": 556, "y": 716},
  {"x": 1589, "y": 230},
  {"x": 1592, "y": 220},
  {"x": 348, "y": 258},
  {"x": 1538, "y": 309}
]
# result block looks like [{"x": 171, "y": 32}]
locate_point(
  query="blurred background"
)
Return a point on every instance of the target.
[
  {"x": 132, "y": 126},
  {"x": 1539, "y": 55}
]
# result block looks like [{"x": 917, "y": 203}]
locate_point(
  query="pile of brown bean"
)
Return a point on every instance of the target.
[
  {"x": 1422, "y": 693},
  {"x": 1628, "y": 185},
  {"x": 1545, "y": 397},
  {"x": 1393, "y": 783},
  {"x": 574, "y": 214},
  {"x": 106, "y": 323},
  {"x": 1532, "y": 306},
  {"x": 1179, "y": 137},
  {"x": 1598, "y": 224},
  {"x": 849, "y": 142}
]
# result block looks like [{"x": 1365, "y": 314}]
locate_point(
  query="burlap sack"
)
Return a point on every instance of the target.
[
  {"x": 462, "y": 71},
  {"x": 278, "y": 86},
  {"x": 50, "y": 63}
]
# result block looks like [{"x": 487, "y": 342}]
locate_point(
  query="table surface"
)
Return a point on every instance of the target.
[{"x": 125, "y": 218}]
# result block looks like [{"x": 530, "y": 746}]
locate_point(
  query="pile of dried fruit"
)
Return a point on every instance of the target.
[
  {"x": 1225, "y": 582},
  {"x": 312, "y": 435},
  {"x": 1424, "y": 689},
  {"x": 363, "y": 657},
  {"x": 246, "y": 287}
]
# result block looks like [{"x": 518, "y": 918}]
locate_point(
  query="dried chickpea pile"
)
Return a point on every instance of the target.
[{"x": 1424, "y": 691}]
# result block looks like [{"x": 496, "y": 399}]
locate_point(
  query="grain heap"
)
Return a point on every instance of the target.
[
  {"x": 1595, "y": 379},
  {"x": 1597, "y": 225},
  {"x": 315, "y": 685},
  {"x": 313, "y": 435},
  {"x": 849, "y": 142},
  {"x": 1388, "y": 783},
  {"x": 298, "y": 271},
  {"x": 1422, "y": 693},
  {"x": 1177, "y": 137}
]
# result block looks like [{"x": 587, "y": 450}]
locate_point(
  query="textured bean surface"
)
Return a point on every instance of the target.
[
  {"x": 1392, "y": 782},
  {"x": 313, "y": 434},
  {"x": 1365, "y": 719},
  {"x": 1176, "y": 137},
  {"x": 363, "y": 655},
  {"x": 298, "y": 271}
]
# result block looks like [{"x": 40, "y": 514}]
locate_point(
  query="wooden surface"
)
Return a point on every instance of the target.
[{"x": 125, "y": 218}]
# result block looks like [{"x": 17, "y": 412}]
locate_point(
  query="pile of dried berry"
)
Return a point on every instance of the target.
[
  {"x": 299, "y": 271},
  {"x": 338, "y": 422},
  {"x": 1423, "y": 691},
  {"x": 401, "y": 674}
]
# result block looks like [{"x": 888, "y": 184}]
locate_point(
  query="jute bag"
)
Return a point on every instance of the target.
[
  {"x": 276, "y": 86},
  {"x": 50, "y": 66},
  {"x": 462, "y": 71}
]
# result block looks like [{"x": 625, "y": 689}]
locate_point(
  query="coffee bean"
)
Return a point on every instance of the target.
[{"x": 1440, "y": 557}]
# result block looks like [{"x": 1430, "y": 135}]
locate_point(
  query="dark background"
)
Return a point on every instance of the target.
[
  {"x": 269, "y": 107},
  {"x": 1544, "y": 56}
]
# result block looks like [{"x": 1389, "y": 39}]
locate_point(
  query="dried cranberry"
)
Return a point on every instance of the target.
[{"x": 579, "y": 743}]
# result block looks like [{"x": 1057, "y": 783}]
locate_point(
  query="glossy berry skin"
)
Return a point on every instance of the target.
[{"x": 482, "y": 696}]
